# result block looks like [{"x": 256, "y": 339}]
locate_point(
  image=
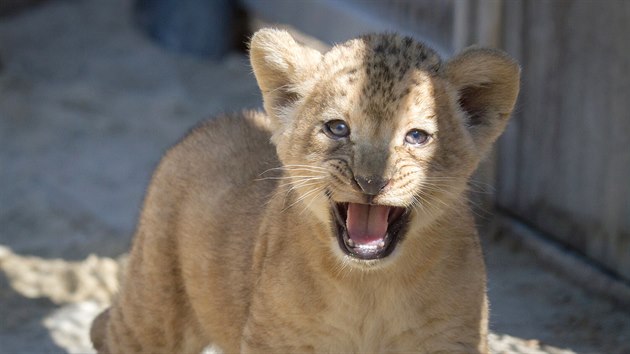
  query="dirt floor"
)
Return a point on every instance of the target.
[{"x": 87, "y": 106}]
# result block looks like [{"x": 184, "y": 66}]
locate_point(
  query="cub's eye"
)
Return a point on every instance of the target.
[
  {"x": 336, "y": 129},
  {"x": 416, "y": 137}
]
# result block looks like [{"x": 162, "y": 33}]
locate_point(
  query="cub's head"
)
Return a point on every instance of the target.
[{"x": 379, "y": 136}]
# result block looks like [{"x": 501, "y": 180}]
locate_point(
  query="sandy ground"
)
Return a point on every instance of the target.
[{"x": 87, "y": 106}]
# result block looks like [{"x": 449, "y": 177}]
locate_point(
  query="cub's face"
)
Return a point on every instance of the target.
[{"x": 378, "y": 136}]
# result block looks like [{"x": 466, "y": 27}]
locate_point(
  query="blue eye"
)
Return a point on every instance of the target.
[
  {"x": 416, "y": 137},
  {"x": 336, "y": 129}
]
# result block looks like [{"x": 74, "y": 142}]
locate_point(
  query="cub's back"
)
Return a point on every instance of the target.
[
  {"x": 209, "y": 187},
  {"x": 230, "y": 149},
  {"x": 212, "y": 183}
]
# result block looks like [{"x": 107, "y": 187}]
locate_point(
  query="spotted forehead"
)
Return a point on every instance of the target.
[
  {"x": 375, "y": 75},
  {"x": 383, "y": 56}
]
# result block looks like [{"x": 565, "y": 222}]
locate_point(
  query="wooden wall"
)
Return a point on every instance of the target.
[{"x": 564, "y": 164}]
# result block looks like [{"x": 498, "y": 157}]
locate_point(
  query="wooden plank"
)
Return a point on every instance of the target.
[
  {"x": 571, "y": 178},
  {"x": 462, "y": 23},
  {"x": 507, "y": 149}
]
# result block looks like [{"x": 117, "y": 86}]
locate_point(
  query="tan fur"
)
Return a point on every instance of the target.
[{"x": 235, "y": 244}]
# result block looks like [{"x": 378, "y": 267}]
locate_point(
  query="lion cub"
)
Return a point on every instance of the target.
[{"x": 336, "y": 222}]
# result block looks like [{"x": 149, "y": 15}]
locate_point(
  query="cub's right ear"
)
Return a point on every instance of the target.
[
  {"x": 487, "y": 83},
  {"x": 280, "y": 65}
]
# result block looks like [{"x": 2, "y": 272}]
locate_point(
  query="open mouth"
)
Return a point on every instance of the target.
[{"x": 368, "y": 231}]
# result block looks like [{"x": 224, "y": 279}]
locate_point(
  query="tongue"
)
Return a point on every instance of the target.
[{"x": 367, "y": 223}]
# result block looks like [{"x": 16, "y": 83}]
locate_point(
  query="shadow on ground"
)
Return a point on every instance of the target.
[{"x": 13, "y": 336}]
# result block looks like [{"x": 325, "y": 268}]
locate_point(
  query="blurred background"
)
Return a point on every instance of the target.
[{"x": 92, "y": 92}]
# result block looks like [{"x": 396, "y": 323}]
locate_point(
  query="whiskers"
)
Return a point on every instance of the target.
[
  {"x": 313, "y": 193},
  {"x": 433, "y": 194},
  {"x": 292, "y": 168},
  {"x": 343, "y": 268},
  {"x": 311, "y": 180},
  {"x": 432, "y": 197}
]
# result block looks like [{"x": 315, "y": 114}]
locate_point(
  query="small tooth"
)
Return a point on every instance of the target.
[
  {"x": 350, "y": 242},
  {"x": 381, "y": 244}
]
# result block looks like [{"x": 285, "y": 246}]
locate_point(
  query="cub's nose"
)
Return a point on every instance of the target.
[{"x": 371, "y": 185}]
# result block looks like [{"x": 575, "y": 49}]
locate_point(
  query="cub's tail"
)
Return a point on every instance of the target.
[{"x": 97, "y": 332}]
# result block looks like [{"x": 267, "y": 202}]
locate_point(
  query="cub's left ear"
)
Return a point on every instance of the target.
[
  {"x": 281, "y": 65},
  {"x": 487, "y": 82}
]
